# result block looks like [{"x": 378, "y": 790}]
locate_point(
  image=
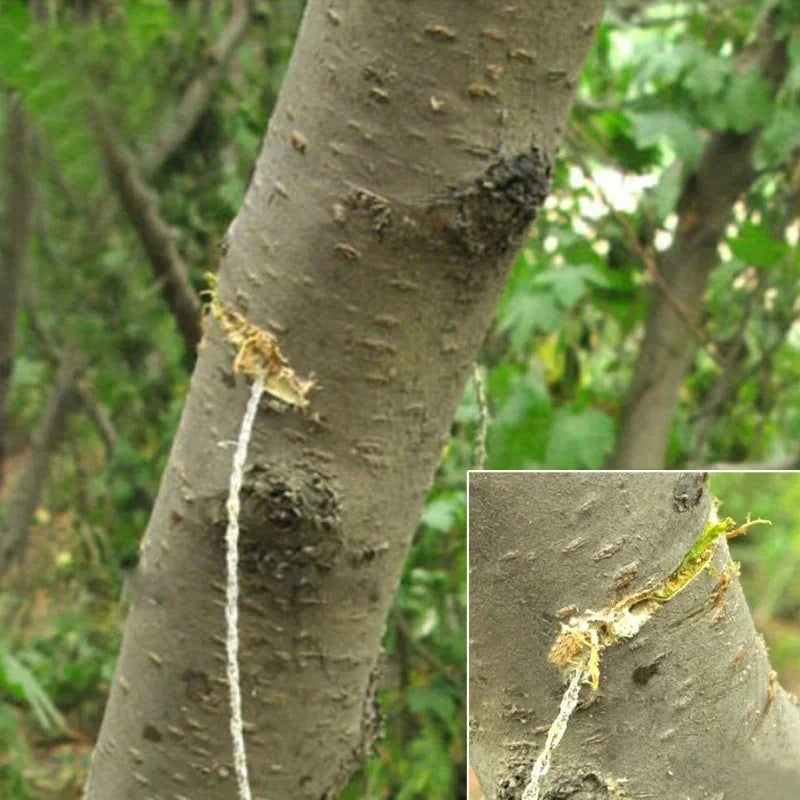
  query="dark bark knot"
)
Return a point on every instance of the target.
[
  {"x": 512, "y": 786},
  {"x": 688, "y": 490},
  {"x": 290, "y": 531},
  {"x": 587, "y": 786},
  {"x": 496, "y": 209},
  {"x": 151, "y": 733}
]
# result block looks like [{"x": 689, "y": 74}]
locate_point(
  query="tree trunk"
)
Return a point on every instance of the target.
[
  {"x": 687, "y": 708},
  {"x": 16, "y": 239},
  {"x": 724, "y": 171},
  {"x": 409, "y": 149},
  {"x": 27, "y": 492}
]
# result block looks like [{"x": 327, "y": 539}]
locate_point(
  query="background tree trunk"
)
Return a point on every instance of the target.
[
  {"x": 686, "y": 708},
  {"x": 50, "y": 429},
  {"x": 409, "y": 149},
  {"x": 16, "y": 239},
  {"x": 724, "y": 171}
]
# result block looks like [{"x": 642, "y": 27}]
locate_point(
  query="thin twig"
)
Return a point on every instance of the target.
[
  {"x": 427, "y": 655},
  {"x": 647, "y": 258},
  {"x": 14, "y": 256},
  {"x": 195, "y": 99},
  {"x": 141, "y": 205},
  {"x": 97, "y": 411},
  {"x": 44, "y": 443}
]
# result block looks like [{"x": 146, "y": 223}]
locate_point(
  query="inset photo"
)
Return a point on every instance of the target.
[{"x": 634, "y": 635}]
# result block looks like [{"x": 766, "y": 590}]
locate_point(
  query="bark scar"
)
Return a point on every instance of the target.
[{"x": 495, "y": 209}]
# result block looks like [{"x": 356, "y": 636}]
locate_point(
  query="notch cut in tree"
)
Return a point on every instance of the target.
[
  {"x": 257, "y": 353},
  {"x": 583, "y": 638},
  {"x": 579, "y": 644},
  {"x": 375, "y": 253},
  {"x": 687, "y": 705}
]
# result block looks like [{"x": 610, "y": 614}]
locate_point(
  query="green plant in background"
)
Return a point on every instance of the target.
[{"x": 19, "y": 683}]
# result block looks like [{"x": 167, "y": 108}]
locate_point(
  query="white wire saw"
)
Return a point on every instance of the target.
[{"x": 232, "y": 588}]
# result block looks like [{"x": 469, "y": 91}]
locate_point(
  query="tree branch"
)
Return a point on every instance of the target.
[
  {"x": 97, "y": 412},
  {"x": 44, "y": 443},
  {"x": 19, "y": 204},
  {"x": 427, "y": 655},
  {"x": 788, "y": 462},
  {"x": 196, "y": 97},
  {"x": 723, "y": 172},
  {"x": 140, "y": 203}
]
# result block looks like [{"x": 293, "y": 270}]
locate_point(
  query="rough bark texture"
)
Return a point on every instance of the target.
[
  {"x": 139, "y": 202},
  {"x": 409, "y": 149},
  {"x": 724, "y": 171},
  {"x": 27, "y": 491},
  {"x": 16, "y": 238},
  {"x": 684, "y": 707}
]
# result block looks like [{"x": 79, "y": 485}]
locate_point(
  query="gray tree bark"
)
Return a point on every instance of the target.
[
  {"x": 409, "y": 149},
  {"x": 687, "y": 708}
]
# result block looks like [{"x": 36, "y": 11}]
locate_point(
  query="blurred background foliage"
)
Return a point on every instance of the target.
[{"x": 557, "y": 365}]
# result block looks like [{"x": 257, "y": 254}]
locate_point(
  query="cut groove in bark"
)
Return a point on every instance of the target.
[
  {"x": 346, "y": 249},
  {"x": 724, "y": 171}
]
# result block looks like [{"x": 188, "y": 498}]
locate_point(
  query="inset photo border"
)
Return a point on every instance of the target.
[{"x": 633, "y": 635}]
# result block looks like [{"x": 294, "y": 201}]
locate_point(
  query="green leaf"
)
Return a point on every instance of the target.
[
  {"x": 707, "y": 75},
  {"x": 518, "y": 432},
  {"x": 527, "y": 312},
  {"x": 426, "y": 623},
  {"x": 570, "y": 284},
  {"x": 780, "y": 137},
  {"x": 755, "y": 245},
  {"x": 660, "y": 201},
  {"x": 748, "y": 101},
  {"x": 579, "y": 440},
  {"x": 18, "y": 681},
  {"x": 442, "y": 514},
  {"x": 656, "y": 127},
  {"x": 423, "y": 700}
]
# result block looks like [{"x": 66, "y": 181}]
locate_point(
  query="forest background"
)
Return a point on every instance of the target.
[{"x": 99, "y": 312}]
